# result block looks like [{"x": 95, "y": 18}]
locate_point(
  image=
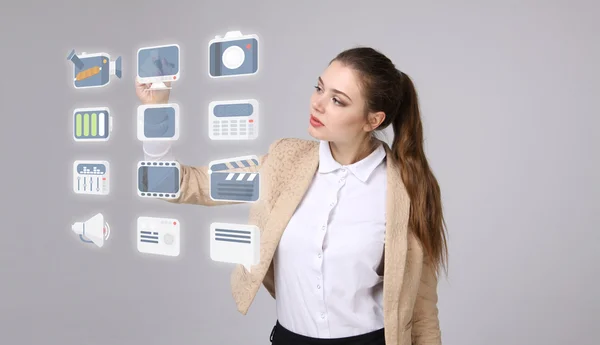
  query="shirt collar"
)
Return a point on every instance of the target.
[{"x": 361, "y": 169}]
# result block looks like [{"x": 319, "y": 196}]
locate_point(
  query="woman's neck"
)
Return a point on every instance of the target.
[{"x": 350, "y": 153}]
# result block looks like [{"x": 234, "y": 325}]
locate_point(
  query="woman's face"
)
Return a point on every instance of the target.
[{"x": 338, "y": 106}]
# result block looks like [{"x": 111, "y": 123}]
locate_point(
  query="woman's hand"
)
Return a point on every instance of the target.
[{"x": 149, "y": 96}]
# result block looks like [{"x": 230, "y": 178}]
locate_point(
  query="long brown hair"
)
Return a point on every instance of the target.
[{"x": 387, "y": 89}]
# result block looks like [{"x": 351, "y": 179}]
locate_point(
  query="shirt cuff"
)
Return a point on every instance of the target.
[{"x": 157, "y": 151}]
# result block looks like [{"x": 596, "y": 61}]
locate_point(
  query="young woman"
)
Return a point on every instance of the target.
[{"x": 352, "y": 231}]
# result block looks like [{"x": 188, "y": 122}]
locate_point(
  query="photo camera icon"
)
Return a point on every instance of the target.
[
  {"x": 233, "y": 55},
  {"x": 93, "y": 70}
]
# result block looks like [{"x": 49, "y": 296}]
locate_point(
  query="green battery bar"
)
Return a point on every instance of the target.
[{"x": 91, "y": 124}]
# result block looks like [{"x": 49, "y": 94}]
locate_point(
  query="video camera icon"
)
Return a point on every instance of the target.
[
  {"x": 233, "y": 55},
  {"x": 93, "y": 70}
]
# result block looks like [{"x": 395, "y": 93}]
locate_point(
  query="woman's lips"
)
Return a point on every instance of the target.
[{"x": 315, "y": 122}]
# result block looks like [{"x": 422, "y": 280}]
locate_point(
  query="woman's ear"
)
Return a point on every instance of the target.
[{"x": 374, "y": 120}]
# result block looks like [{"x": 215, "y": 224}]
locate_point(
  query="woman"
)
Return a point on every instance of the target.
[{"x": 353, "y": 235}]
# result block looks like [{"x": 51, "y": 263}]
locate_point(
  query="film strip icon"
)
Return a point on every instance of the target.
[{"x": 235, "y": 179}]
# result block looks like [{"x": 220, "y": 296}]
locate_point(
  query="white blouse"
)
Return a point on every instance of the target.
[{"x": 328, "y": 273}]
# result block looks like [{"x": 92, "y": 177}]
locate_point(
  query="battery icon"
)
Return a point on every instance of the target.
[{"x": 92, "y": 124}]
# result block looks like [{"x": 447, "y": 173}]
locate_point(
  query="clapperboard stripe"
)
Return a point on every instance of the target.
[
  {"x": 246, "y": 163},
  {"x": 227, "y": 235},
  {"x": 233, "y": 177},
  {"x": 149, "y": 236}
]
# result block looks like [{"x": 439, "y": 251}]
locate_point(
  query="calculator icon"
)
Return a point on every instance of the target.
[{"x": 233, "y": 120}]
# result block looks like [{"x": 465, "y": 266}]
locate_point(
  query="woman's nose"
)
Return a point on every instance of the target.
[{"x": 317, "y": 104}]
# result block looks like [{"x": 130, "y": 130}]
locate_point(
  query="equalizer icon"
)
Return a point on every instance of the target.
[{"x": 91, "y": 177}]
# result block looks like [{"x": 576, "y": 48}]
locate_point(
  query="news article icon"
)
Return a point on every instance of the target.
[
  {"x": 227, "y": 183},
  {"x": 233, "y": 120},
  {"x": 235, "y": 243},
  {"x": 91, "y": 177},
  {"x": 92, "y": 124},
  {"x": 233, "y": 55},
  {"x": 159, "y": 64},
  {"x": 158, "y": 122},
  {"x": 93, "y": 70},
  {"x": 94, "y": 230},
  {"x": 159, "y": 236}
]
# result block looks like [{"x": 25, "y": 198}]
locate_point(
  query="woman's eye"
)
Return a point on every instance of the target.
[{"x": 335, "y": 100}]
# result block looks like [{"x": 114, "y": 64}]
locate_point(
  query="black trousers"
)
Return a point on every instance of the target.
[{"x": 283, "y": 336}]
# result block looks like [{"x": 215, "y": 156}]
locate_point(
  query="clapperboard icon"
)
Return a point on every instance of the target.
[{"x": 229, "y": 181}]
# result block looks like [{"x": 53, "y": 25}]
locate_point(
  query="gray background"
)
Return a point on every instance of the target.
[{"x": 508, "y": 92}]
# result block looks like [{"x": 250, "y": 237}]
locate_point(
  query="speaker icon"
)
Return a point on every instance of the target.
[{"x": 94, "y": 230}]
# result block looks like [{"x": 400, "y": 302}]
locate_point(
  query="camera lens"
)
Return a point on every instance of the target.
[{"x": 233, "y": 57}]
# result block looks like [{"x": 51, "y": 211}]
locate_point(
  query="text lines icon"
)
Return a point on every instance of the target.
[
  {"x": 159, "y": 236},
  {"x": 91, "y": 177},
  {"x": 93, "y": 70},
  {"x": 235, "y": 243}
]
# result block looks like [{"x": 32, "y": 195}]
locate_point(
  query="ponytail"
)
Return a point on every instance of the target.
[{"x": 426, "y": 218}]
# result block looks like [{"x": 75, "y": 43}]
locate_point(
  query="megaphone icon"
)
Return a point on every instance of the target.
[{"x": 94, "y": 230}]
